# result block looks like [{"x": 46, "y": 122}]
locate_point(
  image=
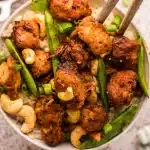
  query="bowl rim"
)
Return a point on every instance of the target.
[{"x": 44, "y": 146}]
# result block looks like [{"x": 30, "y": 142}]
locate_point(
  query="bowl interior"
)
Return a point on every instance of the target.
[{"x": 96, "y": 4}]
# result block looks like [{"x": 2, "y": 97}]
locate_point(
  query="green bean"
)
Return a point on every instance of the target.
[
  {"x": 141, "y": 74},
  {"x": 24, "y": 71},
  {"x": 65, "y": 27},
  {"x": 2, "y": 59},
  {"x": 47, "y": 89},
  {"x": 39, "y": 5},
  {"x": 117, "y": 127},
  {"x": 17, "y": 67},
  {"x": 117, "y": 20},
  {"x": 101, "y": 77},
  {"x": 53, "y": 40},
  {"x": 111, "y": 28}
]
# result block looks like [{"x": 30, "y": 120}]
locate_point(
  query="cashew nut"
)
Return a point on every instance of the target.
[
  {"x": 67, "y": 95},
  {"x": 28, "y": 113},
  {"x": 73, "y": 115},
  {"x": 9, "y": 106},
  {"x": 94, "y": 67},
  {"x": 28, "y": 55},
  {"x": 39, "y": 18},
  {"x": 92, "y": 98},
  {"x": 76, "y": 134}
]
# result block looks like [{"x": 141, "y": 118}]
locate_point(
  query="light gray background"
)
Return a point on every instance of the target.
[{"x": 10, "y": 140}]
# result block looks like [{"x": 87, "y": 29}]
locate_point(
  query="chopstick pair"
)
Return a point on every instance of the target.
[{"x": 110, "y": 4}]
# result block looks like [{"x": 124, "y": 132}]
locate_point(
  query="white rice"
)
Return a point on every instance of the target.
[
  {"x": 44, "y": 44},
  {"x": 29, "y": 15},
  {"x": 35, "y": 134}
]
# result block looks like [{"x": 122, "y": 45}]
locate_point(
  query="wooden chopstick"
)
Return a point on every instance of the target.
[
  {"x": 129, "y": 16},
  {"x": 110, "y": 4}
]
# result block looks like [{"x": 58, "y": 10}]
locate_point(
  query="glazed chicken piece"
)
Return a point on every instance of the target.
[
  {"x": 121, "y": 87},
  {"x": 70, "y": 10},
  {"x": 66, "y": 77},
  {"x": 73, "y": 50},
  {"x": 50, "y": 116},
  {"x": 26, "y": 34},
  {"x": 126, "y": 51},
  {"x": 93, "y": 33},
  {"x": 42, "y": 64},
  {"x": 9, "y": 78},
  {"x": 93, "y": 118}
]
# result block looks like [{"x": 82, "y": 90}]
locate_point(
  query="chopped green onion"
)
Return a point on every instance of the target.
[
  {"x": 67, "y": 136},
  {"x": 25, "y": 89},
  {"x": 2, "y": 59},
  {"x": 117, "y": 20},
  {"x": 65, "y": 27},
  {"x": 126, "y": 3},
  {"x": 17, "y": 67},
  {"x": 2, "y": 90},
  {"x": 41, "y": 90},
  {"x": 47, "y": 89},
  {"x": 107, "y": 128},
  {"x": 111, "y": 28},
  {"x": 39, "y": 5}
]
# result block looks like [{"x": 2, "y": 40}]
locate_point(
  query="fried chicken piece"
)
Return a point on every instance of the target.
[
  {"x": 70, "y": 10},
  {"x": 126, "y": 51},
  {"x": 52, "y": 135},
  {"x": 50, "y": 116},
  {"x": 93, "y": 33},
  {"x": 9, "y": 78},
  {"x": 93, "y": 118},
  {"x": 26, "y": 34},
  {"x": 42, "y": 64},
  {"x": 48, "y": 112},
  {"x": 73, "y": 50},
  {"x": 121, "y": 87},
  {"x": 66, "y": 77}
]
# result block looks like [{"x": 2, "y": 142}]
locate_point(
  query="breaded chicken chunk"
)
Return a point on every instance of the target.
[
  {"x": 26, "y": 34},
  {"x": 66, "y": 77},
  {"x": 42, "y": 64},
  {"x": 93, "y": 118},
  {"x": 50, "y": 116},
  {"x": 126, "y": 51},
  {"x": 70, "y": 10},
  {"x": 121, "y": 87},
  {"x": 73, "y": 50},
  {"x": 9, "y": 78},
  {"x": 93, "y": 33}
]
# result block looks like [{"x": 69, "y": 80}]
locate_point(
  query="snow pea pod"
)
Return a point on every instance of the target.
[
  {"x": 24, "y": 71},
  {"x": 117, "y": 127},
  {"x": 141, "y": 74},
  {"x": 53, "y": 40},
  {"x": 101, "y": 77}
]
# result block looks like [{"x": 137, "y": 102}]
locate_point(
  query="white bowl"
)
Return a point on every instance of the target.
[{"x": 40, "y": 143}]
